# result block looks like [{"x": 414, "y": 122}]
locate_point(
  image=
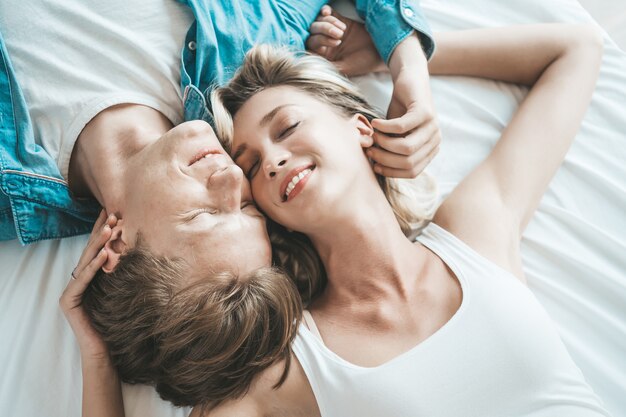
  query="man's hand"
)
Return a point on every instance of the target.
[
  {"x": 93, "y": 257},
  {"x": 344, "y": 42}
]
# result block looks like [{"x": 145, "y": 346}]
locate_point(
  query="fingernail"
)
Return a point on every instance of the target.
[
  {"x": 336, "y": 32},
  {"x": 106, "y": 228}
]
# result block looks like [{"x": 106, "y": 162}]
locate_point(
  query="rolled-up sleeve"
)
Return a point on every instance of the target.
[
  {"x": 299, "y": 15},
  {"x": 389, "y": 22}
]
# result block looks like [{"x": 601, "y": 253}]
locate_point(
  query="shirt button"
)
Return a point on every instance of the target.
[
  {"x": 191, "y": 45},
  {"x": 408, "y": 12}
]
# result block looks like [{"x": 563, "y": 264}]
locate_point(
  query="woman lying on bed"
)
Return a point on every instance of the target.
[{"x": 444, "y": 326}]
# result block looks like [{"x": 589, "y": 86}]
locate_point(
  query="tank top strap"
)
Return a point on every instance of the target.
[
  {"x": 310, "y": 324},
  {"x": 459, "y": 254}
]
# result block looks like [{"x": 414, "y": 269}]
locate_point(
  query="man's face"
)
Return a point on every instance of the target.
[{"x": 189, "y": 200}]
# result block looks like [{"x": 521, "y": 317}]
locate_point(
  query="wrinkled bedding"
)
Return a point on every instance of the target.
[{"x": 574, "y": 249}]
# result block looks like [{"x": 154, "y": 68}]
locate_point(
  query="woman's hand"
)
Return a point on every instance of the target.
[
  {"x": 93, "y": 257},
  {"x": 409, "y": 139},
  {"x": 102, "y": 391}
]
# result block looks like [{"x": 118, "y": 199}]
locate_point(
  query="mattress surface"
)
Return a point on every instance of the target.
[{"x": 574, "y": 249}]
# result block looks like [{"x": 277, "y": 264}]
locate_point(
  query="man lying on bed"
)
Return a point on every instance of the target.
[{"x": 101, "y": 83}]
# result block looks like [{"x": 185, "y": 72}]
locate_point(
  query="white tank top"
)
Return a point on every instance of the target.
[
  {"x": 75, "y": 58},
  {"x": 499, "y": 355}
]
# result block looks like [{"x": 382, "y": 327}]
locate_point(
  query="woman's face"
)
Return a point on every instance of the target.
[{"x": 301, "y": 155}]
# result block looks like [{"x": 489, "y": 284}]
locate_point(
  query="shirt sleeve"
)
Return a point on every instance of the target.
[
  {"x": 389, "y": 22},
  {"x": 298, "y": 16}
]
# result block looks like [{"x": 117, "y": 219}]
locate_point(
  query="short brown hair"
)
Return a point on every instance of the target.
[
  {"x": 125, "y": 305},
  {"x": 200, "y": 342}
]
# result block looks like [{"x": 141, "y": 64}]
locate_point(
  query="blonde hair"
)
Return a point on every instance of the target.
[{"x": 265, "y": 66}]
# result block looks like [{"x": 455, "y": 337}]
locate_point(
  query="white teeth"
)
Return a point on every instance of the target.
[{"x": 295, "y": 180}]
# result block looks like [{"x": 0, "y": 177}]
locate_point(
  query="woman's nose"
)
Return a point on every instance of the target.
[{"x": 273, "y": 166}]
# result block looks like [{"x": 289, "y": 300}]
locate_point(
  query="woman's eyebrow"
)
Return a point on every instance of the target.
[
  {"x": 264, "y": 122},
  {"x": 269, "y": 116}
]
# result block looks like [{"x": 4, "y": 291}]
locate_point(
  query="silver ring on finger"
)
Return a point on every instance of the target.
[{"x": 72, "y": 274}]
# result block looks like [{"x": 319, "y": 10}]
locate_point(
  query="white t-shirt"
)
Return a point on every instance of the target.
[
  {"x": 75, "y": 58},
  {"x": 499, "y": 355}
]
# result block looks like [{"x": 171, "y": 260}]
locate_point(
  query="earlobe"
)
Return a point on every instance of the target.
[
  {"x": 366, "y": 131},
  {"x": 115, "y": 247}
]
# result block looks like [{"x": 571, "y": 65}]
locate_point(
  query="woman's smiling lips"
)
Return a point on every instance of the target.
[{"x": 294, "y": 182}]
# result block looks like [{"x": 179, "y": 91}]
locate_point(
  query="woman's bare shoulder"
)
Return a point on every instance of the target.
[
  {"x": 486, "y": 230},
  {"x": 293, "y": 398}
]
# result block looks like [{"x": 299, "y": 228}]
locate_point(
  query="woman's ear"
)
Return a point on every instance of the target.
[
  {"x": 366, "y": 131},
  {"x": 115, "y": 247}
]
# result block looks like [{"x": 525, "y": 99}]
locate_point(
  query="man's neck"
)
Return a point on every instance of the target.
[{"x": 99, "y": 163}]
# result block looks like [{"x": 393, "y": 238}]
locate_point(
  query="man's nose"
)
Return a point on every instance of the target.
[{"x": 227, "y": 186}]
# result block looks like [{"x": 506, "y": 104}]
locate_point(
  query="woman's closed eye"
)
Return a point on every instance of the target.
[
  {"x": 284, "y": 134},
  {"x": 253, "y": 169},
  {"x": 287, "y": 131}
]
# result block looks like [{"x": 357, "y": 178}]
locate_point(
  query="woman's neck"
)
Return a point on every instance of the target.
[{"x": 366, "y": 254}]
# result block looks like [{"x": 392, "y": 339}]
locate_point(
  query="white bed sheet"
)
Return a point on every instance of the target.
[{"x": 574, "y": 250}]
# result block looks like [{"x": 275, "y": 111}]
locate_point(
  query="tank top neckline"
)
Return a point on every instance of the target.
[{"x": 428, "y": 241}]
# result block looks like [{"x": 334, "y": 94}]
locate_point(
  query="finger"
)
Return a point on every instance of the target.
[
  {"x": 89, "y": 272},
  {"x": 390, "y": 159},
  {"x": 75, "y": 288},
  {"x": 315, "y": 42},
  {"x": 399, "y": 161},
  {"x": 84, "y": 277},
  {"x": 406, "y": 173},
  {"x": 92, "y": 248},
  {"x": 327, "y": 29},
  {"x": 334, "y": 20},
  {"x": 409, "y": 144},
  {"x": 112, "y": 220},
  {"x": 100, "y": 221},
  {"x": 326, "y": 10},
  {"x": 401, "y": 125}
]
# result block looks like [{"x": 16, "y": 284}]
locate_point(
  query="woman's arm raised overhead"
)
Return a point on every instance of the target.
[{"x": 491, "y": 207}]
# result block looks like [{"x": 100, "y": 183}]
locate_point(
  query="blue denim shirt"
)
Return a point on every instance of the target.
[{"x": 35, "y": 201}]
